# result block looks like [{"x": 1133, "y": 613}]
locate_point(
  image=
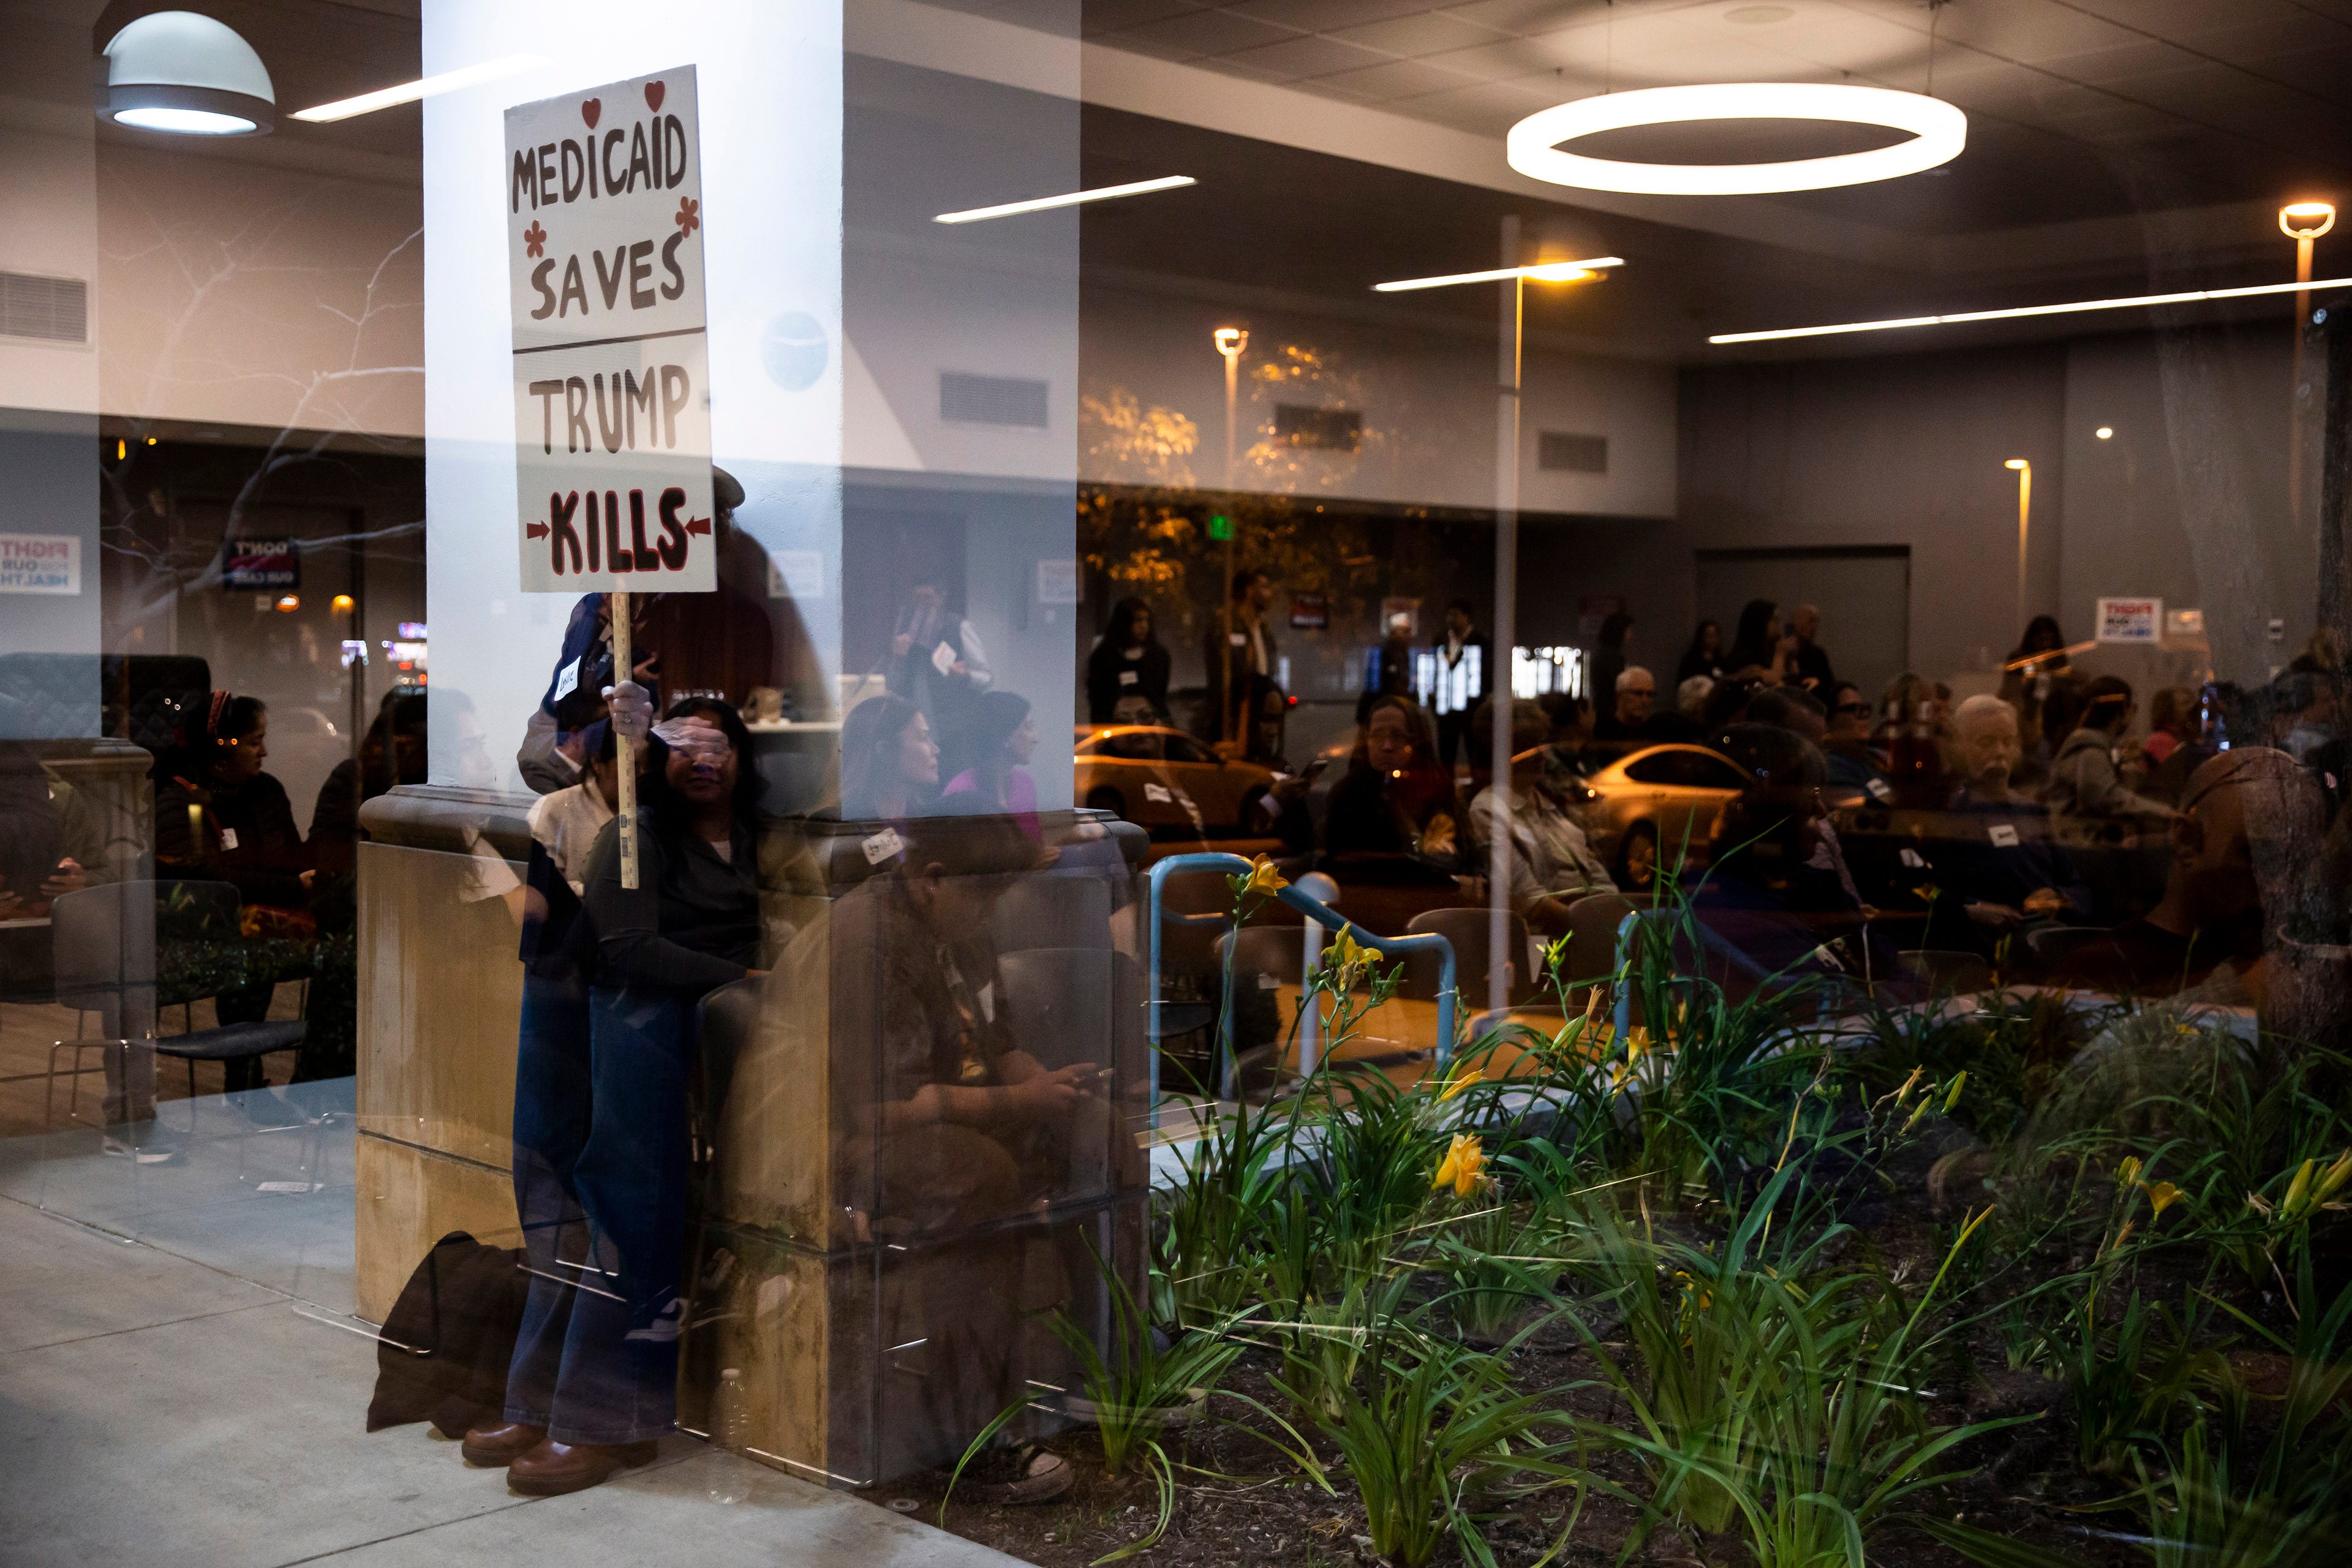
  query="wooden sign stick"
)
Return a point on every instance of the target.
[{"x": 624, "y": 668}]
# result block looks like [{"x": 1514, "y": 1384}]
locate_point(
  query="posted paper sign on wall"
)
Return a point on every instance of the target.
[
  {"x": 40, "y": 563},
  {"x": 604, "y": 196},
  {"x": 2130, "y": 620}
]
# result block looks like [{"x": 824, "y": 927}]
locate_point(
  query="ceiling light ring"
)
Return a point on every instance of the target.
[
  {"x": 117, "y": 102},
  {"x": 1938, "y": 133}
]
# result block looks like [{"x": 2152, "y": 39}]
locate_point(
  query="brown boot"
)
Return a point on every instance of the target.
[
  {"x": 501, "y": 1443},
  {"x": 553, "y": 1468}
]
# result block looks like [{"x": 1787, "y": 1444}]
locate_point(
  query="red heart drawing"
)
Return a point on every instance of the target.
[
  {"x": 654, "y": 95},
  {"x": 589, "y": 108}
]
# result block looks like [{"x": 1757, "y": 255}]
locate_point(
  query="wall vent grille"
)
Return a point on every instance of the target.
[
  {"x": 1564, "y": 451},
  {"x": 1319, "y": 429},
  {"x": 992, "y": 400},
  {"x": 52, "y": 309}
]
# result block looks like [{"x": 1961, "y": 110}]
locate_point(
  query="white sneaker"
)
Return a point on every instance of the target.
[
  {"x": 665, "y": 1328},
  {"x": 145, "y": 1151}
]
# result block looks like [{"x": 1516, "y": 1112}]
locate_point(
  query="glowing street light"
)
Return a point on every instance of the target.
[{"x": 2024, "y": 513}]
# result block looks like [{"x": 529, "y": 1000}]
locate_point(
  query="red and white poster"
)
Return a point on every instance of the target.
[{"x": 604, "y": 193}]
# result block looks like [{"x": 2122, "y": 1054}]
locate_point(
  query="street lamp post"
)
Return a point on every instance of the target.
[
  {"x": 1230, "y": 340},
  {"x": 2024, "y": 517},
  {"x": 2301, "y": 222}
]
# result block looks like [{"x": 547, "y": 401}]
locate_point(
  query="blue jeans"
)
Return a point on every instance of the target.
[{"x": 604, "y": 1128}]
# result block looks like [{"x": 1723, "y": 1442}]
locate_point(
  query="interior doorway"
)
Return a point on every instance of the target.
[{"x": 1864, "y": 593}]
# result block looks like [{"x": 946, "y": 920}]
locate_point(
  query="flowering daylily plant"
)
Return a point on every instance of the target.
[{"x": 1463, "y": 1167}]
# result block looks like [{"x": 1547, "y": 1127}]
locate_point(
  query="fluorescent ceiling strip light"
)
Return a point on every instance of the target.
[
  {"x": 1545, "y": 272},
  {"x": 2136, "y": 301},
  {"x": 426, "y": 87},
  {"x": 1046, "y": 204}
]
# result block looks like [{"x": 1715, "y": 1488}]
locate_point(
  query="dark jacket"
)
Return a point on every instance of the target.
[
  {"x": 692, "y": 923},
  {"x": 243, "y": 833},
  {"x": 1111, "y": 675}
]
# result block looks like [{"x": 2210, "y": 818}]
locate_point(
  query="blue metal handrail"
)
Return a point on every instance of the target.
[{"x": 1315, "y": 909}]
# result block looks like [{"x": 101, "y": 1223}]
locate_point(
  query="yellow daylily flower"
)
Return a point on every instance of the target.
[
  {"x": 1461, "y": 1080},
  {"x": 1637, "y": 1043},
  {"x": 1264, "y": 879},
  {"x": 2162, "y": 1195},
  {"x": 1953, "y": 1096},
  {"x": 2127, "y": 1170},
  {"x": 1462, "y": 1166}
]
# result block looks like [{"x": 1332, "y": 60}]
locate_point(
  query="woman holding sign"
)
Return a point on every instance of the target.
[{"x": 690, "y": 925}]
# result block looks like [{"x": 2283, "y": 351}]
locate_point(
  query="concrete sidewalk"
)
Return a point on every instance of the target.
[{"x": 181, "y": 1386}]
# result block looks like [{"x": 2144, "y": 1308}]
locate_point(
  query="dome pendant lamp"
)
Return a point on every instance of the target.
[
  {"x": 186, "y": 74},
  {"x": 1939, "y": 132}
]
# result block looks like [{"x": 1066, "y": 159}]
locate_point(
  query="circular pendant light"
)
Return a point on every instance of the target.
[
  {"x": 1938, "y": 129},
  {"x": 186, "y": 75}
]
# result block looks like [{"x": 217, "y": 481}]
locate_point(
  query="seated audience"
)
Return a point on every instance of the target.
[
  {"x": 1396, "y": 798},
  {"x": 1001, "y": 737},
  {"x": 1704, "y": 657},
  {"x": 1845, "y": 743},
  {"x": 1808, "y": 663},
  {"x": 1761, "y": 651},
  {"x": 2085, "y": 779},
  {"x": 1999, "y": 868},
  {"x": 1636, "y": 690},
  {"x": 1551, "y": 864},
  {"x": 2246, "y": 846}
]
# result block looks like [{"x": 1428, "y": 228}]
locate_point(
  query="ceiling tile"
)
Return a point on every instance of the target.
[
  {"x": 1415, "y": 36},
  {"x": 1204, "y": 33},
  {"x": 1497, "y": 62},
  {"x": 1397, "y": 79},
  {"x": 1520, "y": 17},
  {"x": 1327, "y": 15},
  {"x": 1489, "y": 107},
  {"x": 1101, "y": 16},
  {"x": 2139, "y": 57},
  {"x": 1306, "y": 57}
]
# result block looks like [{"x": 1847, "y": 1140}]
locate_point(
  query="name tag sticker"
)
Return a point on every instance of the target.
[
  {"x": 883, "y": 846},
  {"x": 1238, "y": 638},
  {"x": 2003, "y": 836},
  {"x": 1268, "y": 982},
  {"x": 1128, "y": 678},
  {"x": 567, "y": 681},
  {"x": 1158, "y": 794},
  {"x": 1879, "y": 790},
  {"x": 228, "y": 838},
  {"x": 1913, "y": 859}
]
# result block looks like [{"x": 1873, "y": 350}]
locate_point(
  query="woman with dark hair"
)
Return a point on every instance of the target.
[
  {"x": 591, "y": 1401},
  {"x": 1759, "y": 645},
  {"x": 1131, "y": 661},
  {"x": 2036, "y": 675},
  {"x": 1705, "y": 655},
  {"x": 1396, "y": 799},
  {"x": 1002, "y": 739},
  {"x": 890, "y": 763},
  {"x": 219, "y": 817}
]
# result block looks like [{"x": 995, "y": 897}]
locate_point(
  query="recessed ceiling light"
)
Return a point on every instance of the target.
[
  {"x": 2190, "y": 297},
  {"x": 1938, "y": 132},
  {"x": 2104, "y": 432},
  {"x": 186, "y": 74},
  {"x": 1069, "y": 199},
  {"x": 425, "y": 86},
  {"x": 1757, "y": 16},
  {"x": 1542, "y": 272}
]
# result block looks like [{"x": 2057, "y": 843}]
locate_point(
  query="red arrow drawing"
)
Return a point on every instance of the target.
[
  {"x": 697, "y": 525},
  {"x": 534, "y": 530}
]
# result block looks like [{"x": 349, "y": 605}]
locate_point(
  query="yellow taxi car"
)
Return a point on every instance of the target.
[
  {"x": 1657, "y": 801},
  {"x": 1167, "y": 782}
]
